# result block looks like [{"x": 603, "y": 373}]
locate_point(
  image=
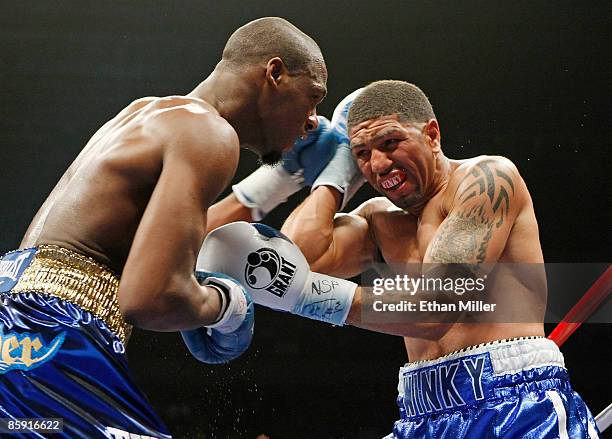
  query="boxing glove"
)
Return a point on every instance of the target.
[
  {"x": 342, "y": 172},
  {"x": 231, "y": 335},
  {"x": 269, "y": 186},
  {"x": 275, "y": 272}
]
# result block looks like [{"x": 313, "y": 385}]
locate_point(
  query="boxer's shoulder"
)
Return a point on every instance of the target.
[
  {"x": 137, "y": 104},
  {"x": 180, "y": 112},
  {"x": 485, "y": 180},
  {"x": 186, "y": 122},
  {"x": 482, "y": 164},
  {"x": 486, "y": 171}
]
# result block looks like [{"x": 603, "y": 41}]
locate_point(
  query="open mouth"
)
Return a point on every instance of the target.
[{"x": 393, "y": 179}]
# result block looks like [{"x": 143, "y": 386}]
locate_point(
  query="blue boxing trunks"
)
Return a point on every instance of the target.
[
  {"x": 62, "y": 349},
  {"x": 504, "y": 389}
]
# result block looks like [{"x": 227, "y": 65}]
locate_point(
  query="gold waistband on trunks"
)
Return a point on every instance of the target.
[{"x": 78, "y": 279}]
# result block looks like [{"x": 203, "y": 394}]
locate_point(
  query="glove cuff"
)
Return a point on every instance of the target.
[
  {"x": 342, "y": 174},
  {"x": 326, "y": 298},
  {"x": 266, "y": 188},
  {"x": 223, "y": 297},
  {"x": 233, "y": 307}
]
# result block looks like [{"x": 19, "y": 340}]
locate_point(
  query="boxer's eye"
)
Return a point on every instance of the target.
[
  {"x": 318, "y": 98},
  {"x": 362, "y": 154},
  {"x": 391, "y": 142}
]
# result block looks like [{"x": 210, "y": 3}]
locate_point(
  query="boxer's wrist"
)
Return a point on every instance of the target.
[
  {"x": 222, "y": 294},
  {"x": 233, "y": 302},
  {"x": 342, "y": 172},
  {"x": 266, "y": 188},
  {"x": 329, "y": 195},
  {"x": 231, "y": 335}
]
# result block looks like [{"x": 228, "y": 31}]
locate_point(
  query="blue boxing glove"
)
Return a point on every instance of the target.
[
  {"x": 311, "y": 155},
  {"x": 275, "y": 272},
  {"x": 268, "y": 186},
  {"x": 231, "y": 335}
]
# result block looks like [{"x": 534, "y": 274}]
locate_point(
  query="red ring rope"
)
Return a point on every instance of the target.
[{"x": 586, "y": 306}]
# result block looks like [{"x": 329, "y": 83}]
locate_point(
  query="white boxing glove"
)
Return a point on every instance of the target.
[
  {"x": 269, "y": 186},
  {"x": 275, "y": 272},
  {"x": 342, "y": 172},
  {"x": 266, "y": 188}
]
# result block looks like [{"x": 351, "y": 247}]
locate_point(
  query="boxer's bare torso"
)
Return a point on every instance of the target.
[
  {"x": 403, "y": 238},
  {"x": 136, "y": 200},
  {"x": 453, "y": 226},
  {"x": 98, "y": 203}
]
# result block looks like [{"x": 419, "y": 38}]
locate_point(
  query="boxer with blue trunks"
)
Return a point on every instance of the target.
[
  {"x": 63, "y": 348},
  {"x": 504, "y": 389},
  {"x": 116, "y": 241},
  {"x": 473, "y": 374}
]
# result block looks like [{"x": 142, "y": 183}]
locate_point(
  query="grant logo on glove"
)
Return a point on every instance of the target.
[
  {"x": 275, "y": 272},
  {"x": 265, "y": 269}
]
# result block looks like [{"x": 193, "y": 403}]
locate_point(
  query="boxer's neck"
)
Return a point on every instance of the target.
[
  {"x": 233, "y": 95},
  {"x": 437, "y": 182}
]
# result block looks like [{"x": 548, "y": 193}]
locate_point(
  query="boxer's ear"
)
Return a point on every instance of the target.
[
  {"x": 275, "y": 71},
  {"x": 431, "y": 131}
]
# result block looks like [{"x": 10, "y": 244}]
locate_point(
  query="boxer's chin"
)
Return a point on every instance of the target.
[
  {"x": 271, "y": 158},
  {"x": 411, "y": 203}
]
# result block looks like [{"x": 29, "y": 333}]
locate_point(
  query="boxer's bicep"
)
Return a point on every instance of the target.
[
  {"x": 335, "y": 244},
  {"x": 483, "y": 209},
  {"x": 351, "y": 249},
  {"x": 196, "y": 167}
]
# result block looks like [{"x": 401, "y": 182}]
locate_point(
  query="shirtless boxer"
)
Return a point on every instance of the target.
[
  {"x": 134, "y": 204},
  {"x": 465, "y": 380}
]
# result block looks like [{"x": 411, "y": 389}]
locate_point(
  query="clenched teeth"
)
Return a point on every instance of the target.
[{"x": 394, "y": 181}]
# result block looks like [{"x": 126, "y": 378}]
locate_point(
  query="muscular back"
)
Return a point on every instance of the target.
[{"x": 96, "y": 207}]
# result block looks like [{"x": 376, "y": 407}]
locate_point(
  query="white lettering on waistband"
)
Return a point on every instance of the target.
[
  {"x": 425, "y": 391},
  {"x": 120, "y": 434},
  {"x": 11, "y": 268},
  {"x": 475, "y": 370}
]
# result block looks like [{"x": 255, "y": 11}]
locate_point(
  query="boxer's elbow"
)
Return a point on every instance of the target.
[
  {"x": 138, "y": 308},
  {"x": 150, "y": 308}
]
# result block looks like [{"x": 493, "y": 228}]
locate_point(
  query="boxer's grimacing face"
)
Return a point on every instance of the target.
[
  {"x": 291, "y": 110},
  {"x": 397, "y": 158}
]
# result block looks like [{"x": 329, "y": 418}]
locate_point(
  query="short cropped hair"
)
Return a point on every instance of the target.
[
  {"x": 383, "y": 98},
  {"x": 265, "y": 38}
]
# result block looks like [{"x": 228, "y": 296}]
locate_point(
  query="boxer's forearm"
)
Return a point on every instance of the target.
[
  {"x": 226, "y": 211},
  {"x": 378, "y": 310},
  {"x": 416, "y": 329},
  {"x": 311, "y": 225},
  {"x": 181, "y": 307}
]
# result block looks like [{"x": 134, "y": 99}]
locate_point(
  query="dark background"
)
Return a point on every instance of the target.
[{"x": 529, "y": 80}]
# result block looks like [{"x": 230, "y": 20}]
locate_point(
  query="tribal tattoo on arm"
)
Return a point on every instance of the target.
[{"x": 480, "y": 218}]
